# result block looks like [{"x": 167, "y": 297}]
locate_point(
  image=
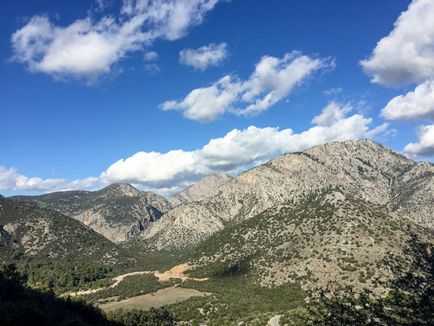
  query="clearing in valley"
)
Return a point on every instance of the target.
[{"x": 154, "y": 300}]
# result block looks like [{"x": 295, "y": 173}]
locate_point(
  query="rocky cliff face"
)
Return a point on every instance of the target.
[
  {"x": 201, "y": 189},
  {"x": 361, "y": 169},
  {"x": 118, "y": 212}
]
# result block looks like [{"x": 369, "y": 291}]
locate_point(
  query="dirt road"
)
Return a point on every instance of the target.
[{"x": 176, "y": 272}]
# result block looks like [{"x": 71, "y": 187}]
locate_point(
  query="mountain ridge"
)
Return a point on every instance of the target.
[
  {"x": 118, "y": 212},
  {"x": 363, "y": 169}
]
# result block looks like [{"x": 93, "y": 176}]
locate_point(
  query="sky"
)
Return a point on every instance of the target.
[{"x": 160, "y": 93}]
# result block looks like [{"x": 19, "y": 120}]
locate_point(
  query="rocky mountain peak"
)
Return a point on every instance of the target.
[{"x": 121, "y": 189}]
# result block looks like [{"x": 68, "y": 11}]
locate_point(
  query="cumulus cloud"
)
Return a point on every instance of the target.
[
  {"x": 238, "y": 150},
  {"x": 207, "y": 103},
  {"x": 88, "y": 48},
  {"x": 406, "y": 55},
  {"x": 272, "y": 81},
  {"x": 205, "y": 56},
  {"x": 417, "y": 104},
  {"x": 425, "y": 145},
  {"x": 331, "y": 114},
  {"x": 11, "y": 180}
]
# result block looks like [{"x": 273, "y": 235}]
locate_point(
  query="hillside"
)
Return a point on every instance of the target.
[
  {"x": 118, "y": 212},
  {"x": 362, "y": 170},
  {"x": 325, "y": 238},
  {"x": 31, "y": 232}
]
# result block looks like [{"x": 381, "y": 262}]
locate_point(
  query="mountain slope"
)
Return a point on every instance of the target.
[
  {"x": 29, "y": 231},
  {"x": 118, "y": 212},
  {"x": 325, "y": 238},
  {"x": 201, "y": 189},
  {"x": 361, "y": 169}
]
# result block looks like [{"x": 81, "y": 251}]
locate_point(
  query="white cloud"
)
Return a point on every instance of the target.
[
  {"x": 150, "y": 56},
  {"x": 425, "y": 145},
  {"x": 152, "y": 168},
  {"x": 417, "y": 104},
  {"x": 88, "y": 48},
  {"x": 206, "y": 104},
  {"x": 331, "y": 114},
  {"x": 406, "y": 55},
  {"x": 235, "y": 152},
  {"x": 272, "y": 81},
  {"x": 205, "y": 56},
  {"x": 11, "y": 180}
]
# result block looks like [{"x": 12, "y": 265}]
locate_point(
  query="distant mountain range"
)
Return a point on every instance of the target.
[
  {"x": 339, "y": 213},
  {"x": 118, "y": 212}
]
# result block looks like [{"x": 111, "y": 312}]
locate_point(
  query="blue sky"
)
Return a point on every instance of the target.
[{"x": 84, "y": 103}]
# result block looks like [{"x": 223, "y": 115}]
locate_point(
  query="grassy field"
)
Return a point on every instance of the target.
[{"x": 157, "y": 299}]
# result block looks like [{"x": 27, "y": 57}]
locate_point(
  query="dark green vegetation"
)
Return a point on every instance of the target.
[
  {"x": 62, "y": 277},
  {"x": 236, "y": 297},
  {"x": 153, "y": 317},
  {"x": 152, "y": 260},
  {"x": 131, "y": 286},
  {"x": 21, "y": 305}
]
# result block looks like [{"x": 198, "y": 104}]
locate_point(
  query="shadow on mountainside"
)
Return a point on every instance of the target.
[{"x": 21, "y": 305}]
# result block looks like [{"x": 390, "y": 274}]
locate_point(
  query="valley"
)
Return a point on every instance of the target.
[{"x": 261, "y": 247}]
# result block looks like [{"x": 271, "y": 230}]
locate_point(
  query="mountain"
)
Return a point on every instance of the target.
[
  {"x": 326, "y": 238},
  {"x": 118, "y": 212},
  {"x": 201, "y": 189},
  {"x": 362, "y": 170},
  {"x": 336, "y": 215},
  {"x": 29, "y": 231}
]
